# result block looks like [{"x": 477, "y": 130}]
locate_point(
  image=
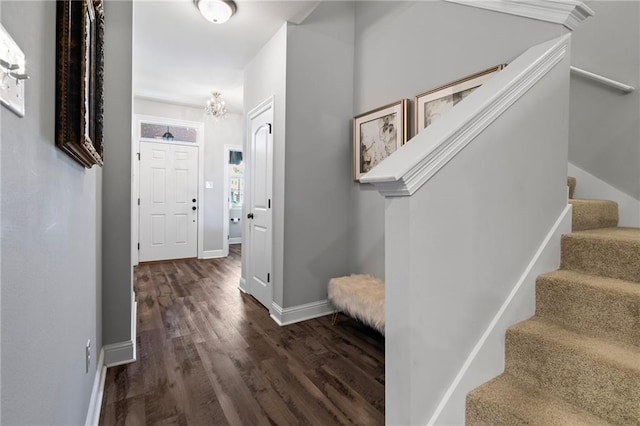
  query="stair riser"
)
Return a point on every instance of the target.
[
  {"x": 504, "y": 401},
  {"x": 593, "y": 214},
  {"x": 602, "y": 388},
  {"x": 593, "y": 311},
  {"x": 571, "y": 183},
  {"x": 481, "y": 413},
  {"x": 609, "y": 258}
]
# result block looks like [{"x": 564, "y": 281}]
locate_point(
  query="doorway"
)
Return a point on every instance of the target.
[
  {"x": 168, "y": 201},
  {"x": 233, "y": 197},
  {"x": 258, "y": 241},
  {"x": 167, "y": 179}
]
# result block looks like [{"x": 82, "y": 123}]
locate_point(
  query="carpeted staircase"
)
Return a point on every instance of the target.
[{"x": 577, "y": 361}]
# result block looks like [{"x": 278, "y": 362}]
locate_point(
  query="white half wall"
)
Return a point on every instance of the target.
[
  {"x": 589, "y": 186},
  {"x": 458, "y": 245},
  {"x": 486, "y": 360}
]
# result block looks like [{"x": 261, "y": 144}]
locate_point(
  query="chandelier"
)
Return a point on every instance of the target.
[{"x": 215, "y": 106}]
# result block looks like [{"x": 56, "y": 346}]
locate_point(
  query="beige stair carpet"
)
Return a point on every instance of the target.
[
  {"x": 593, "y": 214},
  {"x": 577, "y": 361},
  {"x": 571, "y": 183}
]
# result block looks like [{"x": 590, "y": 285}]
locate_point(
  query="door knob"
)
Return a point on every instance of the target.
[
  {"x": 250, "y": 216},
  {"x": 193, "y": 208},
  {"x": 194, "y": 200}
]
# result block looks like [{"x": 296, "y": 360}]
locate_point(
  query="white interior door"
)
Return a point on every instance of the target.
[
  {"x": 258, "y": 210},
  {"x": 168, "y": 201}
]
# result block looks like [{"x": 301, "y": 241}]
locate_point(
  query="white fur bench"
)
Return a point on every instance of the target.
[{"x": 361, "y": 297}]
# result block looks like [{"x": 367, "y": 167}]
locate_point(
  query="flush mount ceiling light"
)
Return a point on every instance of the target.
[{"x": 216, "y": 11}]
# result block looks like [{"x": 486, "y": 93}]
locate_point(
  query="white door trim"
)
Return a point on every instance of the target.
[
  {"x": 135, "y": 179},
  {"x": 225, "y": 196},
  {"x": 267, "y": 104}
]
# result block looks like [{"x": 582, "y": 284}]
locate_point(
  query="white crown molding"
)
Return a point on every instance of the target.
[
  {"x": 403, "y": 173},
  {"x": 569, "y": 13}
]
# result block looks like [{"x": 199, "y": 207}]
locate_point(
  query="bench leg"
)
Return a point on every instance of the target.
[{"x": 334, "y": 318}]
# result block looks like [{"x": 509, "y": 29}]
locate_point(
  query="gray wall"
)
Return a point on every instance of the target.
[
  {"x": 117, "y": 274},
  {"x": 604, "y": 135},
  {"x": 394, "y": 59},
  {"x": 264, "y": 77},
  {"x": 318, "y": 154},
  {"x": 51, "y": 243},
  {"x": 1, "y": 112},
  {"x": 217, "y": 134}
]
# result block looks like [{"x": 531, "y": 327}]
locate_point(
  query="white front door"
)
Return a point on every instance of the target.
[
  {"x": 260, "y": 159},
  {"x": 168, "y": 201}
]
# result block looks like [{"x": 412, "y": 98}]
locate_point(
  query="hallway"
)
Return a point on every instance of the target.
[{"x": 210, "y": 355}]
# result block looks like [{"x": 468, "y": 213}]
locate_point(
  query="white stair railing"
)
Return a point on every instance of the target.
[{"x": 468, "y": 202}]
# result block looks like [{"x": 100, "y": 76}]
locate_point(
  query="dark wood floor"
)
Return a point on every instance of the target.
[{"x": 211, "y": 355}]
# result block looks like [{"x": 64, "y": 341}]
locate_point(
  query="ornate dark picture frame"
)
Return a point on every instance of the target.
[{"x": 79, "y": 79}]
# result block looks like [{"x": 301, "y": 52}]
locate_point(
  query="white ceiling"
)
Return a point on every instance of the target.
[{"x": 181, "y": 57}]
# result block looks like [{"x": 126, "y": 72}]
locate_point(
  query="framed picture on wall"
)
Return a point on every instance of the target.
[
  {"x": 377, "y": 134},
  {"x": 430, "y": 105},
  {"x": 79, "y": 79}
]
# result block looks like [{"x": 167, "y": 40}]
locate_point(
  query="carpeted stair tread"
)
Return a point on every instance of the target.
[
  {"x": 571, "y": 183},
  {"x": 598, "y": 306},
  {"x": 592, "y": 214},
  {"x": 594, "y": 374},
  {"x": 610, "y": 252},
  {"x": 505, "y": 401},
  {"x": 616, "y": 233},
  {"x": 577, "y": 361}
]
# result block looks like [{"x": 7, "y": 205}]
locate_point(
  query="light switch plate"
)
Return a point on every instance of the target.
[{"x": 11, "y": 89}]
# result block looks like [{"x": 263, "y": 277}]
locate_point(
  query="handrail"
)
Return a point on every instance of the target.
[
  {"x": 603, "y": 80},
  {"x": 407, "y": 169}
]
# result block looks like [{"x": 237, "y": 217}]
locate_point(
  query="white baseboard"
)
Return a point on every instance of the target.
[
  {"x": 589, "y": 186},
  {"x": 242, "y": 285},
  {"x": 286, "y": 316},
  {"x": 235, "y": 240},
  {"x": 123, "y": 352},
  {"x": 486, "y": 360},
  {"x": 95, "y": 403},
  {"x": 212, "y": 254},
  {"x": 119, "y": 353}
]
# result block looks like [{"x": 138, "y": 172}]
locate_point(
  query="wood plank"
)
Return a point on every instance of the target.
[
  {"x": 209, "y": 354},
  {"x": 201, "y": 401}
]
